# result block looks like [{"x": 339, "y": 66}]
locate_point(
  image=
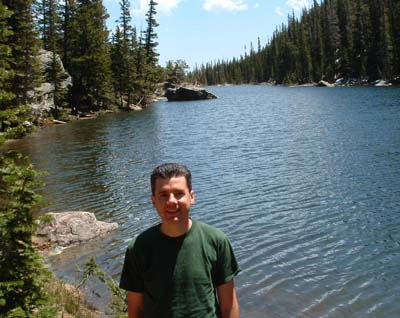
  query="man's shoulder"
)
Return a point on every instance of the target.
[
  {"x": 210, "y": 230},
  {"x": 144, "y": 238}
]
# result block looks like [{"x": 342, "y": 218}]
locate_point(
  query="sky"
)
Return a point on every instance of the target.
[{"x": 201, "y": 31}]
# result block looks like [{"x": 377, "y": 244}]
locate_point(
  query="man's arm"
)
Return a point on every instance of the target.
[
  {"x": 228, "y": 303},
  {"x": 135, "y": 305}
]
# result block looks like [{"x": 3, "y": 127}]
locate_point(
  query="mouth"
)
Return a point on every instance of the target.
[{"x": 172, "y": 215}]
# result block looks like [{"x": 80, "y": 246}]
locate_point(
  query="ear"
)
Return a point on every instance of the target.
[
  {"x": 192, "y": 199},
  {"x": 153, "y": 200}
]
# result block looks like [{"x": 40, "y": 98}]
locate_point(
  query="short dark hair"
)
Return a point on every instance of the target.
[{"x": 169, "y": 170}]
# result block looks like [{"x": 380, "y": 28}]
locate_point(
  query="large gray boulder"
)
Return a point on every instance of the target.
[
  {"x": 186, "y": 94},
  {"x": 42, "y": 97},
  {"x": 68, "y": 228}
]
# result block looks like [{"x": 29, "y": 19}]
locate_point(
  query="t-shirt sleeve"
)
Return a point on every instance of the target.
[
  {"x": 131, "y": 276},
  {"x": 227, "y": 265}
]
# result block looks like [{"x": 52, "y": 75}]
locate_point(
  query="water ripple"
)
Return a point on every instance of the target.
[{"x": 304, "y": 181}]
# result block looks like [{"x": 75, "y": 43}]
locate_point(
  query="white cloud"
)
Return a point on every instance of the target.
[
  {"x": 256, "y": 5},
  {"x": 230, "y": 5},
  {"x": 298, "y": 5},
  {"x": 278, "y": 11},
  {"x": 164, "y": 7}
]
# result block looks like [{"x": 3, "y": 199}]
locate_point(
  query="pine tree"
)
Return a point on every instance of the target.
[
  {"x": 259, "y": 68},
  {"x": 250, "y": 66},
  {"x": 125, "y": 19},
  {"x": 386, "y": 52},
  {"x": 305, "y": 63},
  {"x": 90, "y": 64},
  {"x": 48, "y": 23},
  {"x": 346, "y": 38},
  {"x": 267, "y": 62},
  {"x": 141, "y": 86},
  {"x": 22, "y": 275},
  {"x": 380, "y": 45},
  {"x": 149, "y": 46},
  {"x": 150, "y": 36},
  {"x": 40, "y": 8},
  {"x": 293, "y": 55},
  {"x": 117, "y": 65},
  {"x": 139, "y": 82},
  {"x": 176, "y": 72},
  {"x": 394, "y": 14},
  {"x": 24, "y": 48},
  {"x": 317, "y": 49},
  {"x": 68, "y": 10},
  {"x": 43, "y": 18},
  {"x": 331, "y": 40},
  {"x": 6, "y": 72},
  {"x": 126, "y": 52},
  {"x": 360, "y": 38}
]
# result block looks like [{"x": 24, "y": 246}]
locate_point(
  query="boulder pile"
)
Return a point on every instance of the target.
[{"x": 68, "y": 228}]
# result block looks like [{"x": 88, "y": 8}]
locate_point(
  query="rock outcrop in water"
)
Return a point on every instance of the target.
[
  {"x": 68, "y": 228},
  {"x": 382, "y": 83},
  {"x": 325, "y": 84},
  {"x": 187, "y": 94}
]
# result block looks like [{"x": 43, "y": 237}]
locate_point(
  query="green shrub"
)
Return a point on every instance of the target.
[
  {"x": 13, "y": 122},
  {"x": 22, "y": 274},
  {"x": 118, "y": 304}
]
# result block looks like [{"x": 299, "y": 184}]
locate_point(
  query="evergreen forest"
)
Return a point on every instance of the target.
[
  {"x": 107, "y": 69},
  {"x": 347, "y": 41}
]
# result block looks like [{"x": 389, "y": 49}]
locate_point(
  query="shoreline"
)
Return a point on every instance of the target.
[
  {"x": 47, "y": 120},
  {"x": 332, "y": 85}
]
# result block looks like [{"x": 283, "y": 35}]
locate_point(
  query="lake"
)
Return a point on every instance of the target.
[{"x": 304, "y": 181}]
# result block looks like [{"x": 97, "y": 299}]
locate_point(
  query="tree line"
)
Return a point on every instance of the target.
[
  {"x": 353, "y": 41},
  {"x": 106, "y": 70}
]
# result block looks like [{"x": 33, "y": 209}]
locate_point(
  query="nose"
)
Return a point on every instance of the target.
[{"x": 172, "y": 199}]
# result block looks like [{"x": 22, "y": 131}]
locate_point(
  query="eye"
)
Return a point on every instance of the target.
[
  {"x": 163, "y": 195},
  {"x": 179, "y": 195}
]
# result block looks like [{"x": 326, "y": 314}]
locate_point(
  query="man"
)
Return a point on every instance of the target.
[{"x": 180, "y": 267}]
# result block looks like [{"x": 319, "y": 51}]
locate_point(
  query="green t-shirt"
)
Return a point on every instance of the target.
[{"x": 178, "y": 276}]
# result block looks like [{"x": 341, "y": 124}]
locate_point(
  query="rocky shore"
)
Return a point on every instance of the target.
[{"x": 64, "y": 229}]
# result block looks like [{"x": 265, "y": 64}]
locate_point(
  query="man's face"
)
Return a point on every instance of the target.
[{"x": 172, "y": 200}]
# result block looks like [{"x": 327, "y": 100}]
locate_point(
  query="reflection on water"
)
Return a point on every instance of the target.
[{"x": 305, "y": 182}]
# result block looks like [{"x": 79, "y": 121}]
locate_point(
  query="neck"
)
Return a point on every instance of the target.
[{"x": 176, "y": 230}]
